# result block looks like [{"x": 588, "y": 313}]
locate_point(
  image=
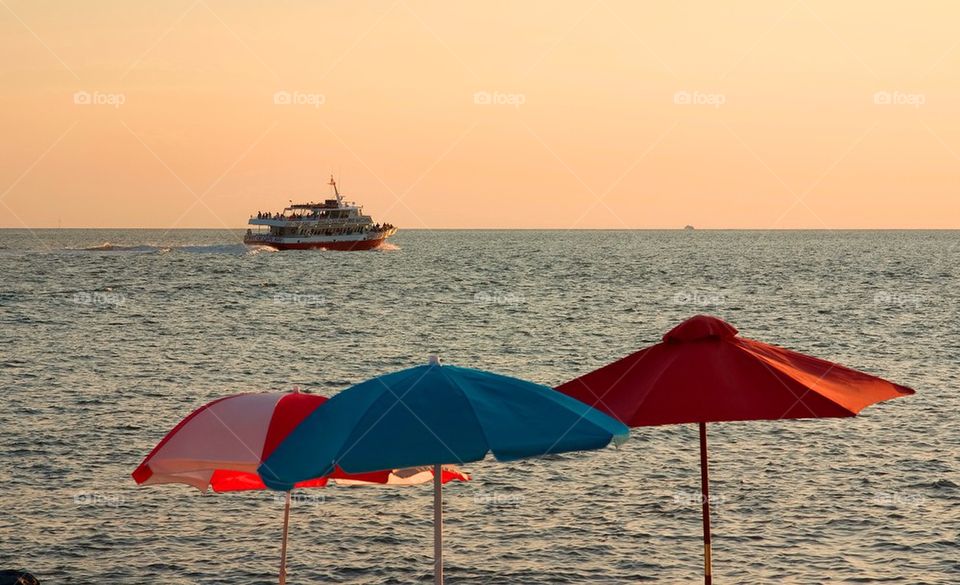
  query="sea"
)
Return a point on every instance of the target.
[{"x": 109, "y": 337}]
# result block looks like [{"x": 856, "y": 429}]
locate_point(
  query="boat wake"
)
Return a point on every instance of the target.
[
  {"x": 108, "y": 247},
  {"x": 387, "y": 247},
  {"x": 254, "y": 250},
  {"x": 227, "y": 249}
]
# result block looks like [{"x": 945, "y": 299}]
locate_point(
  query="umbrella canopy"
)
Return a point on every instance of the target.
[
  {"x": 221, "y": 444},
  {"x": 703, "y": 372},
  {"x": 436, "y": 414}
]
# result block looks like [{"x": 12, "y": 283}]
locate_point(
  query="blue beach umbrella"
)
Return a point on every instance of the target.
[{"x": 434, "y": 415}]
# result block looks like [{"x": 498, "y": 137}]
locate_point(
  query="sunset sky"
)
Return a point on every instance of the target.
[{"x": 595, "y": 114}]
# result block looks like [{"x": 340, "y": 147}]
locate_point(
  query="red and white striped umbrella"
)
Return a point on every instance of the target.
[{"x": 221, "y": 444}]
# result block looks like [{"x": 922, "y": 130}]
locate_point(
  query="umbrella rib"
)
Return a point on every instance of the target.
[
  {"x": 473, "y": 412},
  {"x": 811, "y": 389},
  {"x": 441, "y": 441},
  {"x": 181, "y": 425},
  {"x": 776, "y": 376},
  {"x": 566, "y": 432},
  {"x": 615, "y": 382},
  {"x": 643, "y": 399},
  {"x": 799, "y": 399},
  {"x": 242, "y": 442},
  {"x": 425, "y": 425},
  {"x": 344, "y": 453},
  {"x": 237, "y": 437},
  {"x": 584, "y": 413},
  {"x": 399, "y": 401}
]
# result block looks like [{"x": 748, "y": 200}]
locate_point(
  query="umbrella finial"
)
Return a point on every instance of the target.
[
  {"x": 700, "y": 327},
  {"x": 296, "y": 389},
  {"x": 434, "y": 360}
]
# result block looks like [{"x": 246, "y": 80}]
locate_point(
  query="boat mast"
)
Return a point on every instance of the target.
[{"x": 336, "y": 191}]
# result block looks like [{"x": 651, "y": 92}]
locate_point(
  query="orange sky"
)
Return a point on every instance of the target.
[{"x": 604, "y": 114}]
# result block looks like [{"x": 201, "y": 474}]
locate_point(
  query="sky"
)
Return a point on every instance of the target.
[{"x": 532, "y": 114}]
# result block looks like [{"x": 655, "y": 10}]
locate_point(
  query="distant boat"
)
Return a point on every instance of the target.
[
  {"x": 332, "y": 225},
  {"x": 688, "y": 227}
]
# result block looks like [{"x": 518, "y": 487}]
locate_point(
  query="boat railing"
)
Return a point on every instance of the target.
[{"x": 299, "y": 218}]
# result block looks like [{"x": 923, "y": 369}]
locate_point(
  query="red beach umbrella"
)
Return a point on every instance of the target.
[
  {"x": 704, "y": 372},
  {"x": 221, "y": 444}
]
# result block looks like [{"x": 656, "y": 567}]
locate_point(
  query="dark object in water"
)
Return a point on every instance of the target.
[{"x": 11, "y": 577}]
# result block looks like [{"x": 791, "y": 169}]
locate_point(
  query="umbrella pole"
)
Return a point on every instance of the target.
[
  {"x": 437, "y": 525},
  {"x": 705, "y": 499},
  {"x": 283, "y": 547}
]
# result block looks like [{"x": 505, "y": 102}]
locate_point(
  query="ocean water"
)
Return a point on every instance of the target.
[{"x": 108, "y": 338}]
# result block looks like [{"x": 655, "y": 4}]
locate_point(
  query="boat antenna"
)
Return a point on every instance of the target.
[{"x": 336, "y": 191}]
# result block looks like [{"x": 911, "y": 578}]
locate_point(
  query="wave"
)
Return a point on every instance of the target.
[{"x": 387, "y": 247}]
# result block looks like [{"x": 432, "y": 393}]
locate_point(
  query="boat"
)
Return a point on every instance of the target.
[{"x": 335, "y": 224}]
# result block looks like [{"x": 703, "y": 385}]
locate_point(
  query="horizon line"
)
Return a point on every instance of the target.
[{"x": 528, "y": 229}]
